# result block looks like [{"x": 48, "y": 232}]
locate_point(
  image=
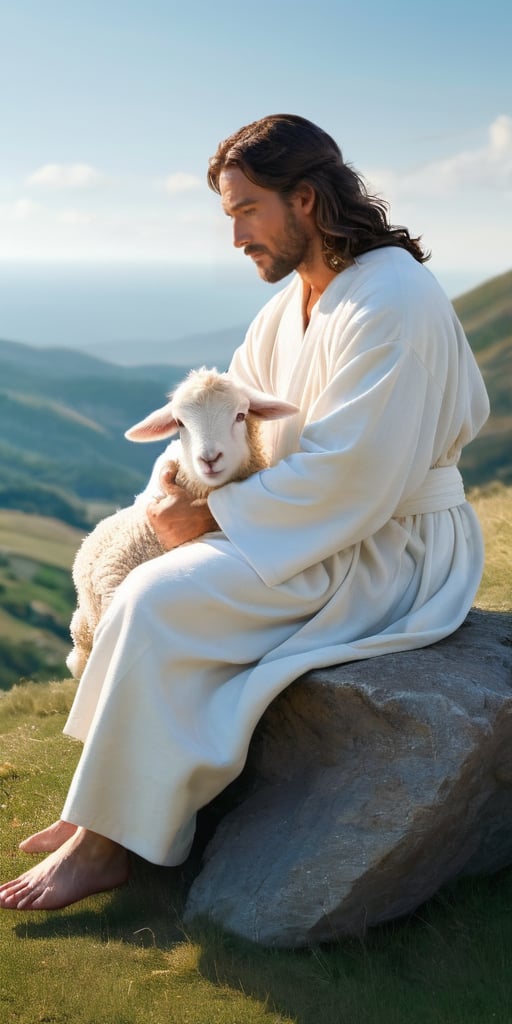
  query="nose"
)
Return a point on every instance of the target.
[
  {"x": 210, "y": 460},
  {"x": 241, "y": 235}
]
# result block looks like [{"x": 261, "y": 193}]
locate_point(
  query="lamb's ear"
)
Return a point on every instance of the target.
[
  {"x": 155, "y": 427},
  {"x": 267, "y": 407}
]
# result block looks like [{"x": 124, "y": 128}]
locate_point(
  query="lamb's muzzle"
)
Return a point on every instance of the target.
[{"x": 215, "y": 417}]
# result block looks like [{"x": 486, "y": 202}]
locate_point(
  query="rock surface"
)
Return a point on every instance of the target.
[{"x": 367, "y": 787}]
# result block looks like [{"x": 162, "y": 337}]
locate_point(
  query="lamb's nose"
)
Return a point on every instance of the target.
[{"x": 212, "y": 460}]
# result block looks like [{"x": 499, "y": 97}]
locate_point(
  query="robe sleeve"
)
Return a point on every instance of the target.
[{"x": 369, "y": 441}]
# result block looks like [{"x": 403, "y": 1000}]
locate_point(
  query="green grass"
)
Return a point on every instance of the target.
[
  {"x": 37, "y": 596},
  {"x": 38, "y": 538},
  {"x": 125, "y": 957},
  {"x": 493, "y": 506},
  {"x": 12, "y": 627}
]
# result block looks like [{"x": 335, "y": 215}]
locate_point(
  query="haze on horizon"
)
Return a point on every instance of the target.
[{"x": 114, "y": 111}]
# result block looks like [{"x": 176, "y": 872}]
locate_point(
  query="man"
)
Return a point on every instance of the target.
[{"x": 356, "y": 542}]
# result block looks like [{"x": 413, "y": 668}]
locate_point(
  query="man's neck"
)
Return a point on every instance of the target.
[{"x": 313, "y": 285}]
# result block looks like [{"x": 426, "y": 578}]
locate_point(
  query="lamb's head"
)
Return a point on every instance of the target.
[{"x": 217, "y": 421}]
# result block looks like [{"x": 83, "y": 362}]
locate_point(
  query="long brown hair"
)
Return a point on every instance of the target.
[{"x": 283, "y": 150}]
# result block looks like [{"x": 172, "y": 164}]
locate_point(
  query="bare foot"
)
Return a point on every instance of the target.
[
  {"x": 85, "y": 864},
  {"x": 49, "y": 839}
]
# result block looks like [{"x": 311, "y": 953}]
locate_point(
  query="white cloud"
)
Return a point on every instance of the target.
[
  {"x": 487, "y": 168},
  {"x": 22, "y": 209},
  {"x": 181, "y": 182},
  {"x": 19, "y": 210},
  {"x": 65, "y": 176},
  {"x": 75, "y": 218},
  {"x": 460, "y": 204},
  {"x": 501, "y": 133},
  {"x": 36, "y": 231}
]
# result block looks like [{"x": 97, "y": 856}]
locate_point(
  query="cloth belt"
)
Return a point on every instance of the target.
[{"x": 441, "y": 489}]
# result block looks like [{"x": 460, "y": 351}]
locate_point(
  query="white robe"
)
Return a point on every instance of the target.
[{"x": 356, "y": 542}]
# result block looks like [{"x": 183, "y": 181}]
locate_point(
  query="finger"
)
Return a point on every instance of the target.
[
  {"x": 169, "y": 473},
  {"x": 158, "y": 507}
]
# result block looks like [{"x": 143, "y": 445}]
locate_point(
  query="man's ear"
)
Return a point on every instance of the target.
[{"x": 305, "y": 197}]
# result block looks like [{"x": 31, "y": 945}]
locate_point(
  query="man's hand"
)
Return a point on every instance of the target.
[{"x": 178, "y": 517}]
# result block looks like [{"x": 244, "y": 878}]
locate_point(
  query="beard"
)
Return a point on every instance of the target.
[{"x": 292, "y": 248}]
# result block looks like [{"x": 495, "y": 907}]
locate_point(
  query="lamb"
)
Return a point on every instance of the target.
[{"x": 218, "y": 421}]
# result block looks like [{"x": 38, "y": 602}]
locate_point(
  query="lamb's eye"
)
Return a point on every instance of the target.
[
  {"x": 240, "y": 416},
  {"x": 179, "y": 424}
]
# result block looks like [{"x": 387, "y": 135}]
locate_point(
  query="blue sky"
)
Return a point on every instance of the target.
[{"x": 110, "y": 110}]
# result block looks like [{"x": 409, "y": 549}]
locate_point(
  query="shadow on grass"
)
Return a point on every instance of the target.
[
  {"x": 448, "y": 963},
  {"x": 144, "y": 912}
]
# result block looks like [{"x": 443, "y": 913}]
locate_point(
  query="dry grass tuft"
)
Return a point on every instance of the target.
[
  {"x": 29, "y": 699},
  {"x": 493, "y": 506}
]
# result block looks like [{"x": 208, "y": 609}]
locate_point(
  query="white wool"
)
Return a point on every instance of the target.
[
  {"x": 218, "y": 422},
  {"x": 153, "y": 489}
]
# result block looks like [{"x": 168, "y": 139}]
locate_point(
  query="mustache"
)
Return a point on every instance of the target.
[{"x": 250, "y": 250}]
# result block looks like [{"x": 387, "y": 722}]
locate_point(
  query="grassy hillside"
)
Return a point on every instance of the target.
[
  {"x": 63, "y": 415},
  {"x": 62, "y": 419},
  {"x": 486, "y": 313},
  {"x": 65, "y": 460},
  {"x": 36, "y": 596},
  {"x": 126, "y": 958}
]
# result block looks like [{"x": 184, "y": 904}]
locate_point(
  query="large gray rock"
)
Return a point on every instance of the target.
[{"x": 368, "y": 786}]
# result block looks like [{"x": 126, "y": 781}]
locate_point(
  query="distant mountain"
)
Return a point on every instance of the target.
[
  {"x": 63, "y": 415},
  {"x": 62, "y": 420},
  {"x": 212, "y": 349}
]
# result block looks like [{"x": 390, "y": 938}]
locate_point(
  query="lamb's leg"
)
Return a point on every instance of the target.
[
  {"x": 81, "y": 636},
  {"x": 115, "y": 547}
]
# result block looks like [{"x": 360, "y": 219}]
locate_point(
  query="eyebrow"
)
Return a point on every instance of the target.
[{"x": 249, "y": 201}]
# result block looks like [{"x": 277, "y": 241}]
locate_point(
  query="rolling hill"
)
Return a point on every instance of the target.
[
  {"x": 62, "y": 420},
  {"x": 65, "y": 462},
  {"x": 486, "y": 314},
  {"x": 63, "y": 415},
  {"x": 36, "y": 596}
]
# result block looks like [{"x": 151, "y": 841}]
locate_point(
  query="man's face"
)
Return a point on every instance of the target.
[{"x": 275, "y": 234}]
